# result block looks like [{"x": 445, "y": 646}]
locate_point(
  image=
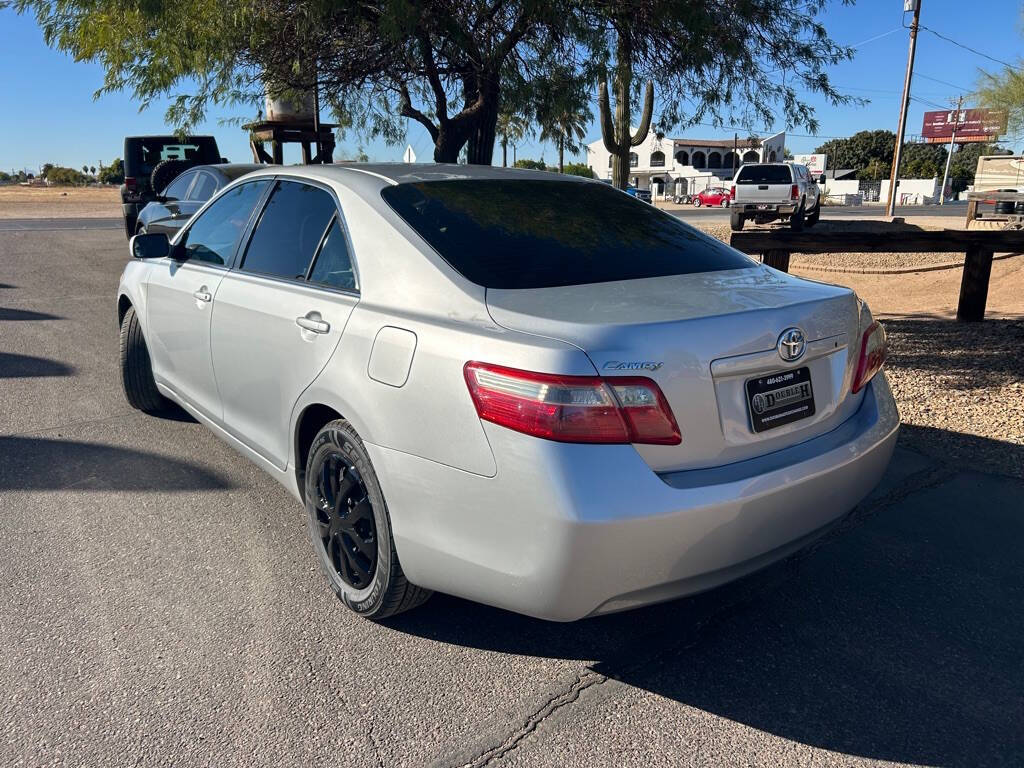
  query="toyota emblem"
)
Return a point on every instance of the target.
[{"x": 791, "y": 344}]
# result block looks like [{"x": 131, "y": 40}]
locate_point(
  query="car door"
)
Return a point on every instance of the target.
[
  {"x": 165, "y": 217},
  {"x": 280, "y": 314},
  {"x": 181, "y": 293}
]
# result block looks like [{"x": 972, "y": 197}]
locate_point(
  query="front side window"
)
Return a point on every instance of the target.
[
  {"x": 289, "y": 230},
  {"x": 333, "y": 264},
  {"x": 542, "y": 234},
  {"x": 203, "y": 189},
  {"x": 176, "y": 189},
  {"x": 215, "y": 233}
]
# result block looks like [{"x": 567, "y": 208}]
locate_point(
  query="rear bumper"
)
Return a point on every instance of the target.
[
  {"x": 566, "y": 531},
  {"x": 130, "y": 211},
  {"x": 773, "y": 209}
]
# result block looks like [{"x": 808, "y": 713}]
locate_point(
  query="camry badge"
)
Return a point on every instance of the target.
[
  {"x": 791, "y": 344},
  {"x": 632, "y": 365}
]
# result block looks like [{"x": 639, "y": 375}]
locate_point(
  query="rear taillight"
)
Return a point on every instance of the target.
[
  {"x": 732, "y": 191},
  {"x": 874, "y": 349},
  {"x": 129, "y": 183},
  {"x": 572, "y": 409},
  {"x": 794, "y": 193}
]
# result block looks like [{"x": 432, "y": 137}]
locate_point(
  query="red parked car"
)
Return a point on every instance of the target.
[{"x": 713, "y": 196}]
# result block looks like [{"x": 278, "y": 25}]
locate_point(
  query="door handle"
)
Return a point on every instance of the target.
[
  {"x": 312, "y": 322},
  {"x": 202, "y": 294}
]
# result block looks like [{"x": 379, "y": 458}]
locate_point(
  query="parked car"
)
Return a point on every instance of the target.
[
  {"x": 142, "y": 156},
  {"x": 575, "y": 406},
  {"x": 639, "y": 194},
  {"x": 186, "y": 194},
  {"x": 718, "y": 196},
  {"x": 765, "y": 192}
]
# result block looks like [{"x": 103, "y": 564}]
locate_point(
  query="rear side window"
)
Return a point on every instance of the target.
[
  {"x": 176, "y": 189},
  {"x": 289, "y": 230},
  {"x": 333, "y": 265},
  {"x": 144, "y": 152},
  {"x": 764, "y": 174},
  {"x": 204, "y": 188},
  {"x": 541, "y": 234},
  {"x": 215, "y": 233}
]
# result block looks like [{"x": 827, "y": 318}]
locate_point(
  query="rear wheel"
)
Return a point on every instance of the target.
[
  {"x": 796, "y": 221},
  {"x": 350, "y": 527},
  {"x": 696, "y": 202},
  {"x": 735, "y": 221},
  {"x": 725, "y": 202},
  {"x": 136, "y": 369}
]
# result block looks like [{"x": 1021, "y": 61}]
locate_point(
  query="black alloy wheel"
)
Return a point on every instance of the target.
[{"x": 345, "y": 521}]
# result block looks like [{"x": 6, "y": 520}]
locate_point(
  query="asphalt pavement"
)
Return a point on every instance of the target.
[{"x": 160, "y": 605}]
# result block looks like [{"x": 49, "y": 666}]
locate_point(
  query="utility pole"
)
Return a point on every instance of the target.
[
  {"x": 949, "y": 155},
  {"x": 901, "y": 131}
]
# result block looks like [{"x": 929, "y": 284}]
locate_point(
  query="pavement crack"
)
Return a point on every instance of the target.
[{"x": 566, "y": 696}]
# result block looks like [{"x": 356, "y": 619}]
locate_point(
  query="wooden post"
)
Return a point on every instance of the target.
[
  {"x": 974, "y": 285},
  {"x": 777, "y": 259},
  {"x": 972, "y": 211},
  {"x": 277, "y": 147},
  {"x": 305, "y": 153}
]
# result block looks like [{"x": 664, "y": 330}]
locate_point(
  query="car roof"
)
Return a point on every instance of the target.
[
  {"x": 371, "y": 177},
  {"x": 231, "y": 170}
]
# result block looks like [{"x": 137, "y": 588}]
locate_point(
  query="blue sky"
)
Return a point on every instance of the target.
[{"x": 48, "y": 113}]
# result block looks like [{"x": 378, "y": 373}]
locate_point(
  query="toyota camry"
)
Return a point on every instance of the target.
[{"x": 525, "y": 389}]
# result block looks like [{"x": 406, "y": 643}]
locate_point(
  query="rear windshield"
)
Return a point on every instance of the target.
[
  {"x": 144, "y": 152},
  {"x": 542, "y": 234},
  {"x": 764, "y": 174}
]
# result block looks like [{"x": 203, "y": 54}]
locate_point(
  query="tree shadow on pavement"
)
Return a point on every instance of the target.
[
  {"x": 14, "y": 366},
  {"x": 44, "y": 464},
  {"x": 898, "y": 638},
  {"x": 15, "y": 315}
]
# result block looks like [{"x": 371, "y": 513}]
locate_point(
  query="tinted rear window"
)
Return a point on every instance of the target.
[
  {"x": 764, "y": 174},
  {"x": 541, "y": 234},
  {"x": 142, "y": 153}
]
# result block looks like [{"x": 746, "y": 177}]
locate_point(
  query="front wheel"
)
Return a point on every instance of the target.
[
  {"x": 350, "y": 527},
  {"x": 136, "y": 368},
  {"x": 813, "y": 216}
]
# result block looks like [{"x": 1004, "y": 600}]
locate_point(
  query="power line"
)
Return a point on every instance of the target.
[
  {"x": 941, "y": 82},
  {"x": 877, "y": 37},
  {"x": 968, "y": 48}
]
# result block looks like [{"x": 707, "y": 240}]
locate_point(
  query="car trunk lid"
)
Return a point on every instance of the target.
[{"x": 701, "y": 337}]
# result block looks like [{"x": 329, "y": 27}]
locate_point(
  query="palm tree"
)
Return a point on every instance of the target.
[
  {"x": 512, "y": 128},
  {"x": 92, "y": 169},
  {"x": 563, "y": 113}
]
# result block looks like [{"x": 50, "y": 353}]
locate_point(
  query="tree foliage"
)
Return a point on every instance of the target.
[
  {"x": 113, "y": 173},
  {"x": 1004, "y": 90},
  {"x": 579, "y": 169},
  {"x": 61, "y": 176},
  {"x": 535, "y": 165},
  {"x": 448, "y": 64}
]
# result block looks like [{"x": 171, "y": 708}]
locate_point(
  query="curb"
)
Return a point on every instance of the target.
[{"x": 796, "y": 264}]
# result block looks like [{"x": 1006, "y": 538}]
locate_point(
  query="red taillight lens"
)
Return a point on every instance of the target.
[
  {"x": 129, "y": 183},
  {"x": 874, "y": 349},
  {"x": 572, "y": 409},
  {"x": 732, "y": 191},
  {"x": 794, "y": 193}
]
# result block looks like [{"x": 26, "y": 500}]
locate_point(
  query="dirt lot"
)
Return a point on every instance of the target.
[{"x": 18, "y": 202}]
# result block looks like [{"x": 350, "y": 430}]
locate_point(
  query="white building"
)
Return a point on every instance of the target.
[{"x": 677, "y": 166}]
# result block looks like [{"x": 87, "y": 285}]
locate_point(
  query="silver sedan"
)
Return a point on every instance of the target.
[{"x": 520, "y": 388}]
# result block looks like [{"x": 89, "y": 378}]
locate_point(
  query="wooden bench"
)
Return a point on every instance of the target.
[{"x": 775, "y": 247}]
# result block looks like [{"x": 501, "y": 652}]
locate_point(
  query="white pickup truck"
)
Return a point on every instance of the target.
[{"x": 763, "y": 192}]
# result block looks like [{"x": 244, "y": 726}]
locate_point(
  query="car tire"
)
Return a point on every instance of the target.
[
  {"x": 375, "y": 588},
  {"x": 813, "y": 216},
  {"x": 735, "y": 221},
  {"x": 796, "y": 221},
  {"x": 724, "y": 203},
  {"x": 696, "y": 202},
  {"x": 136, "y": 368}
]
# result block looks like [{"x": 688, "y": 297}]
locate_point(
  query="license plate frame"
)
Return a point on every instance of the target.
[{"x": 779, "y": 398}]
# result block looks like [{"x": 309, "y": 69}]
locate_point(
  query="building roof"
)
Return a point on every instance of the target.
[{"x": 722, "y": 143}]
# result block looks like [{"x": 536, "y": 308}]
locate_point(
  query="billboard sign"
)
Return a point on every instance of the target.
[
  {"x": 816, "y": 164},
  {"x": 971, "y": 125}
]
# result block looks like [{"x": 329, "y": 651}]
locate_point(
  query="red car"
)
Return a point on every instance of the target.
[{"x": 713, "y": 196}]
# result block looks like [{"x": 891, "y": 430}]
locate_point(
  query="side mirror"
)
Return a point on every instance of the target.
[
  {"x": 150, "y": 246},
  {"x": 821, "y": 178}
]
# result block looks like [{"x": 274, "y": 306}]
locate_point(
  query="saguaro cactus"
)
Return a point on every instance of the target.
[{"x": 616, "y": 135}]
